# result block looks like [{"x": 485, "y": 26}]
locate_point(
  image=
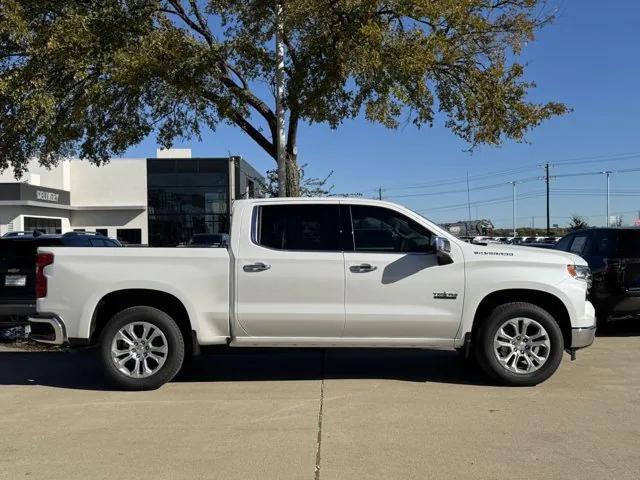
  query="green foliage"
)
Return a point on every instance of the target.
[
  {"x": 92, "y": 78},
  {"x": 577, "y": 223}
]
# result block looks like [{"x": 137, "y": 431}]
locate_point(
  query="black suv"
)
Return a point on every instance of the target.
[
  {"x": 18, "y": 252},
  {"x": 614, "y": 257}
]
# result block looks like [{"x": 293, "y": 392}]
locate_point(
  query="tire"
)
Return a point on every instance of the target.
[
  {"x": 150, "y": 363},
  {"x": 546, "y": 343}
]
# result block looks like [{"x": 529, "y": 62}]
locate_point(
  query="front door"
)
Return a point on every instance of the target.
[
  {"x": 395, "y": 284},
  {"x": 290, "y": 275}
]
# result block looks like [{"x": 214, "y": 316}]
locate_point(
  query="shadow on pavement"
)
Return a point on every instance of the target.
[{"x": 80, "y": 369}]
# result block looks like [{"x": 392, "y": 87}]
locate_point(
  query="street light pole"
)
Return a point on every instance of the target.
[
  {"x": 608, "y": 174},
  {"x": 548, "y": 209},
  {"x": 513, "y": 184}
]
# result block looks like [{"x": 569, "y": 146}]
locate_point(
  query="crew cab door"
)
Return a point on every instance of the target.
[
  {"x": 290, "y": 272},
  {"x": 396, "y": 286}
]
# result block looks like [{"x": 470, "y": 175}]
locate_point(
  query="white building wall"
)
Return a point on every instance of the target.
[
  {"x": 92, "y": 220},
  {"x": 12, "y": 217},
  {"x": 120, "y": 182},
  {"x": 58, "y": 177}
]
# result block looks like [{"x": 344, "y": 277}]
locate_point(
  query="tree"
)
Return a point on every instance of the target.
[
  {"x": 92, "y": 78},
  {"x": 576, "y": 222},
  {"x": 309, "y": 187}
]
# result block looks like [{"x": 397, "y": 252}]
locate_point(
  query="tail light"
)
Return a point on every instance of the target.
[{"x": 42, "y": 261}]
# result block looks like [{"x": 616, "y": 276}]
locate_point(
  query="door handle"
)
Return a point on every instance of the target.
[
  {"x": 256, "y": 267},
  {"x": 362, "y": 268}
]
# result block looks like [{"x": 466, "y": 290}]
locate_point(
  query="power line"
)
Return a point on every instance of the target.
[{"x": 527, "y": 167}]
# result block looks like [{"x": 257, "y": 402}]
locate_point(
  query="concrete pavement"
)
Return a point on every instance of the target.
[{"x": 332, "y": 414}]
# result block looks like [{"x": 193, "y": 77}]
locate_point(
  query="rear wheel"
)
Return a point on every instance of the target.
[
  {"x": 520, "y": 344},
  {"x": 141, "y": 348}
]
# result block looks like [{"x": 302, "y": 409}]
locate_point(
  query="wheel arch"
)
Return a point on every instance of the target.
[
  {"x": 119, "y": 300},
  {"x": 548, "y": 301}
]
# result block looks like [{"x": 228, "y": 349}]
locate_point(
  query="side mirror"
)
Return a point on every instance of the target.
[{"x": 442, "y": 247}]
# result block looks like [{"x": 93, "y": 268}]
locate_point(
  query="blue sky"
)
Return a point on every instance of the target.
[{"x": 589, "y": 59}]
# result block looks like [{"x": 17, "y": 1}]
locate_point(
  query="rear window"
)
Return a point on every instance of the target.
[{"x": 299, "y": 227}]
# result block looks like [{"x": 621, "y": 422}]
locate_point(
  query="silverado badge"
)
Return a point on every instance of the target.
[{"x": 445, "y": 295}]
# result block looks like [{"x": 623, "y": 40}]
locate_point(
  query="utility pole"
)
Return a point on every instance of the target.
[
  {"x": 468, "y": 197},
  {"x": 546, "y": 168},
  {"x": 280, "y": 138},
  {"x": 513, "y": 184},
  {"x": 608, "y": 174}
]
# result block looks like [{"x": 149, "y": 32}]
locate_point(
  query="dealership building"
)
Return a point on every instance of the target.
[{"x": 158, "y": 201}]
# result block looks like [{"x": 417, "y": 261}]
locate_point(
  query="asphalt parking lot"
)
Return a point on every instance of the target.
[{"x": 332, "y": 414}]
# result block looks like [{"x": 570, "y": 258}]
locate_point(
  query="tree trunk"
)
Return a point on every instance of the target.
[
  {"x": 293, "y": 172},
  {"x": 293, "y": 175}
]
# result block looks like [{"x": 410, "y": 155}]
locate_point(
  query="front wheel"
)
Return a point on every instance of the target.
[
  {"x": 520, "y": 344},
  {"x": 141, "y": 348}
]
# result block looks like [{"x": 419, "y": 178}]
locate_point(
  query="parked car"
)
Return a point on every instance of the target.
[
  {"x": 317, "y": 273},
  {"x": 613, "y": 254},
  {"x": 17, "y": 267}
]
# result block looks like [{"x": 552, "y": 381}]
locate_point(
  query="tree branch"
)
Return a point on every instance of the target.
[{"x": 237, "y": 118}]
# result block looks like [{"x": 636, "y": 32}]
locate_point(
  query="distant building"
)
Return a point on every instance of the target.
[
  {"x": 159, "y": 201},
  {"x": 469, "y": 228}
]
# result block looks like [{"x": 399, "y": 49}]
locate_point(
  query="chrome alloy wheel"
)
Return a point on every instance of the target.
[
  {"x": 139, "y": 349},
  {"x": 521, "y": 345}
]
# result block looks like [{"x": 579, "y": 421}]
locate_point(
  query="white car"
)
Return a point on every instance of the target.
[{"x": 317, "y": 273}]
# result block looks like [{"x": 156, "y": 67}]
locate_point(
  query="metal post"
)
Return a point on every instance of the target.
[
  {"x": 515, "y": 233},
  {"x": 468, "y": 197},
  {"x": 380, "y": 193},
  {"x": 280, "y": 138},
  {"x": 608, "y": 174},
  {"x": 548, "y": 209}
]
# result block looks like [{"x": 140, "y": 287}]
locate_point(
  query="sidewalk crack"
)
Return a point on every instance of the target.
[{"x": 320, "y": 412}]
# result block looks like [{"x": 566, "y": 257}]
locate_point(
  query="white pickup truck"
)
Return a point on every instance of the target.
[{"x": 317, "y": 273}]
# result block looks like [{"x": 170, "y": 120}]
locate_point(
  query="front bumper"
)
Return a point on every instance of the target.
[
  {"x": 47, "y": 328},
  {"x": 582, "y": 337}
]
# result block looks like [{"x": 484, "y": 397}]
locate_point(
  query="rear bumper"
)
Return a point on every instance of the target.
[
  {"x": 17, "y": 309},
  {"x": 48, "y": 328}
]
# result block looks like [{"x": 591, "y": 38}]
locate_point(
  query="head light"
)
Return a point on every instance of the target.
[{"x": 580, "y": 272}]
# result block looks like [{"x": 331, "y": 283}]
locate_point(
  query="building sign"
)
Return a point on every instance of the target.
[
  {"x": 47, "y": 196},
  {"x": 23, "y": 192}
]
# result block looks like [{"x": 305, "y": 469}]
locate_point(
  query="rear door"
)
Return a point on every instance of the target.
[
  {"x": 395, "y": 285},
  {"x": 290, "y": 273},
  {"x": 628, "y": 252}
]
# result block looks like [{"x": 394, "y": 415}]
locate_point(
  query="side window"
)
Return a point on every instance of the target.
[
  {"x": 79, "y": 241},
  {"x": 298, "y": 227},
  {"x": 377, "y": 229},
  {"x": 564, "y": 243},
  {"x": 97, "y": 242},
  {"x": 578, "y": 244}
]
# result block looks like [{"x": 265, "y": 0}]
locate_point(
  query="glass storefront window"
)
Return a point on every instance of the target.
[
  {"x": 185, "y": 197},
  {"x": 43, "y": 225}
]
